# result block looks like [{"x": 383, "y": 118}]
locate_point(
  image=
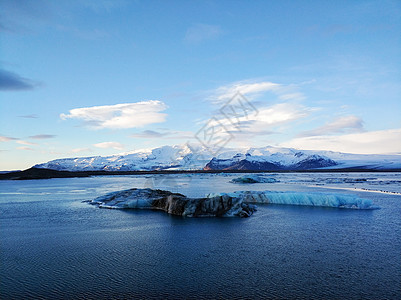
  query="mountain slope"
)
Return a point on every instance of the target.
[
  {"x": 166, "y": 157},
  {"x": 271, "y": 159}
]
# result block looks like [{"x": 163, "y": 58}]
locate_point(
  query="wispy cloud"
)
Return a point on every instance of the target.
[
  {"x": 32, "y": 116},
  {"x": 226, "y": 92},
  {"x": 267, "y": 118},
  {"x": 24, "y": 16},
  {"x": 198, "y": 33},
  {"x": 25, "y": 148},
  {"x": 166, "y": 134},
  {"x": 253, "y": 89},
  {"x": 78, "y": 150},
  {"x": 10, "y": 81},
  {"x": 341, "y": 125},
  {"x": 4, "y": 28},
  {"x": 120, "y": 116},
  {"x": 21, "y": 142},
  {"x": 33, "y": 16},
  {"x": 88, "y": 34},
  {"x": 113, "y": 145},
  {"x": 42, "y": 136},
  {"x": 149, "y": 134},
  {"x": 7, "y": 138},
  {"x": 267, "y": 113},
  {"x": 372, "y": 142},
  {"x": 105, "y": 6}
]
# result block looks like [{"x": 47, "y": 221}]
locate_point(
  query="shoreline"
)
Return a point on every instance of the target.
[{"x": 38, "y": 173}]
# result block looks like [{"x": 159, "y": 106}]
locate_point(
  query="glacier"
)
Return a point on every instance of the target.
[{"x": 239, "y": 203}]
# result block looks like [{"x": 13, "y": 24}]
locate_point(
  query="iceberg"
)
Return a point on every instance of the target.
[
  {"x": 236, "y": 204},
  {"x": 176, "y": 204},
  {"x": 254, "y": 178},
  {"x": 300, "y": 198}
]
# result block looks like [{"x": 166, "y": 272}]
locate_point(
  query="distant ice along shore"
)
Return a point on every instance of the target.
[{"x": 239, "y": 204}]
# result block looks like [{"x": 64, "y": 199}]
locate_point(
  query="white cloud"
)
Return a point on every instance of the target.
[
  {"x": 265, "y": 119},
  {"x": 240, "y": 118},
  {"x": 251, "y": 128},
  {"x": 225, "y": 93},
  {"x": 280, "y": 113},
  {"x": 201, "y": 32},
  {"x": 120, "y": 116},
  {"x": 372, "y": 142},
  {"x": 342, "y": 124},
  {"x": 287, "y": 95},
  {"x": 114, "y": 145}
]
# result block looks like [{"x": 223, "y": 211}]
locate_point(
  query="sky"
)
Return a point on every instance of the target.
[{"x": 89, "y": 78}]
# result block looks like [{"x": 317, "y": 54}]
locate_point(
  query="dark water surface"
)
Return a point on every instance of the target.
[{"x": 55, "y": 247}]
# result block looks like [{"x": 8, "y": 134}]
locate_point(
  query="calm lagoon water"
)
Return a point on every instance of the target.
[{"x": 54, "y": 246}]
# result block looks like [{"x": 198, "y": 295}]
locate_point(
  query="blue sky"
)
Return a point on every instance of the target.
[{"x": 86, "y": 78}]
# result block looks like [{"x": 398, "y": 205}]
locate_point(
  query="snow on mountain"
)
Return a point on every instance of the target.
[
  {"x": 270, "y": 158},
  {"x": 184, "y": 157},
  {"x": 166, "y": 157}
]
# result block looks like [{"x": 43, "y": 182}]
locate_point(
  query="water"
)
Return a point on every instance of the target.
[{"x": 53, "y": 246}]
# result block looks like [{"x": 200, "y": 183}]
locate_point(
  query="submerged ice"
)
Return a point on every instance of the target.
[{"x": 239, "y": 203}]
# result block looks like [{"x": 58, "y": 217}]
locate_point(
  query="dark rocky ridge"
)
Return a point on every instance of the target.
[
  {"x": 37, "y": 173},
  {"x": 311, "y": 162}
]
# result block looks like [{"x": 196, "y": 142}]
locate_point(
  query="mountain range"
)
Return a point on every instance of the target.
[{"x": 185, "y": 157}]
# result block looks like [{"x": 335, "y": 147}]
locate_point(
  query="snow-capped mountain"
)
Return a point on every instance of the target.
[
  {"x": 184, "y": 157},
  {"x": 166, "y": 157},
  {"x": 273, "y": 158}
]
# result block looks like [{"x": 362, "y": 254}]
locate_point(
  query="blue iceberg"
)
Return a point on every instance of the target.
[{"x": 300, "y": 198}]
